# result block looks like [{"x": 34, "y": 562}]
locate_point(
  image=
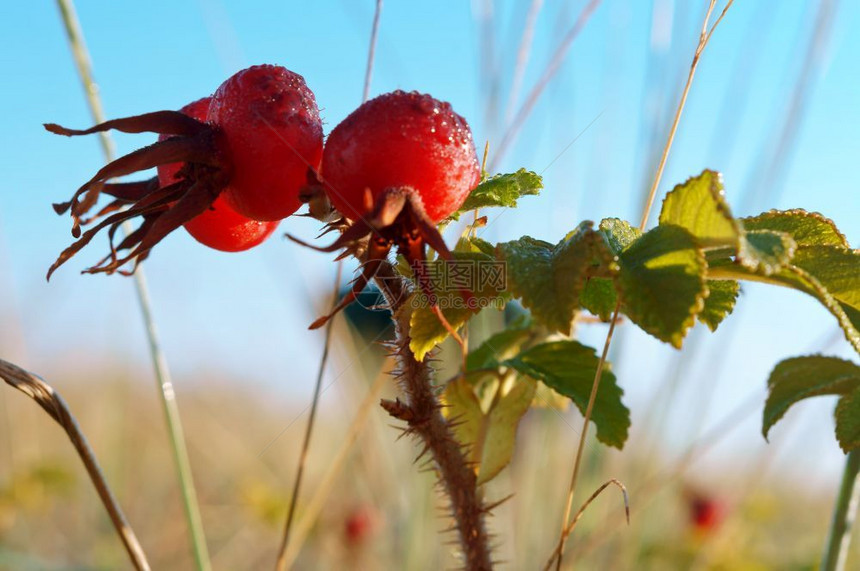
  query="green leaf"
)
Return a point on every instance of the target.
[
  {"x": 502, "y": 190},
  {"x": 549, "y": 279},
  {"x": 807, "y": 228},
  {"x": 569, "y": 368},
  {"x": 599, "y": 297},
  {"x": 662, "y": 282},
  {"x": 838, "y": 270},
  {"x": 848, "y": 421},
  {"x": 765, "y": 251},
  {"x": 699, "y": 206},
  {"x": 798, "y": 378},
  {"x": 488, "y": 435},
  {"x": 722, "y": 295},
  {"x": 475, "y": 244},
  {"x": 830, "y": 274},
  {"x": 499, "y": 346},
  {"x": 426, "y": 331}
]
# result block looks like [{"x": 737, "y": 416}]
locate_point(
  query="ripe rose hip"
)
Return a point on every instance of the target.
[
  {"x": 273, "y": 130},
  {"x": 401, "y": 140},
  {"x": 219, "y": 227},
  {"x": 397, "y": 166},
  {"x": 259, "y": 145}
]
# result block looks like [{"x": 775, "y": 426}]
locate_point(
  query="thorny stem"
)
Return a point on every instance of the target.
[
  {"x": 421, "y": 411},
  {"x": 844, "y": 515},
  {"x": 704, "y": 38},
  {"x": 159, "y": 361},
  {"x": 54, "y": 404}
]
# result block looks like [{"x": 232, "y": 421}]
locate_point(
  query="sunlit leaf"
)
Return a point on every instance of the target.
[
  {"x": 699, "y": 206},
  {"x": 830, "y": 274},
  {"x": 807, "y": 228}
]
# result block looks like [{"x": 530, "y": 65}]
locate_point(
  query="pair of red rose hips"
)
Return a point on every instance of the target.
[{"x": 231, "y": 166}]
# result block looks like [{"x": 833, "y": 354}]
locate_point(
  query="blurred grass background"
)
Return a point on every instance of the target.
[
  {"x": 381, "y": 514},
  {"x": 773, "y": 106}
]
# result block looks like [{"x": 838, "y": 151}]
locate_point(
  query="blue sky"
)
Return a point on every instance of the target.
[{"x": 245, "y": 316}]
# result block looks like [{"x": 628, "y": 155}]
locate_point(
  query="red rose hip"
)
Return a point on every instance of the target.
[
  {"x": 272, "y": 128},
  {"x": 219, "y": 227},
  {"x": 401, "y": 140}
]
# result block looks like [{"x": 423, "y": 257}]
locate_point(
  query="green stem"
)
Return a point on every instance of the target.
[
  {"x": 159, "y": 361},
  {"x": 844, "y": 514}
]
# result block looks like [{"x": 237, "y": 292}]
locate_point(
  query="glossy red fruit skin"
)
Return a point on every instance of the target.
[
  {"x": 220, "y": 227},
  {"x": 272, "y": 128},
  {"x": 401, "y": 140}
]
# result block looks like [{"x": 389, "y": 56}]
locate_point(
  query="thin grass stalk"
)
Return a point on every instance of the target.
[
  {"x": 569, "y": 529},
  {"x": 281, "y": 563},
  {"x": 55, "y": 405},
  {"x": 550, "y": 71},
  {"x": 704, "y": 38},
  {"x": 523, "y": 53},
  {"x": 159, "y": 360},
  {"x": 284, "y": 562},
  {"x": 582, "y": 436}
]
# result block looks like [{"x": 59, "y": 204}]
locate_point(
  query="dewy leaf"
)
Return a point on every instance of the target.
[
  {"x": 766, "y": 251},
  {"x": 503, "y": 190},
  {"x": 475, "y": 271},
  {"x": 500, "y": 346},
  {"x": 722, "y": 295},
  {"x": 550, "y": 279},
  {"x": 699, "y": 206},
  {"x": 799, "y": 378},
  {"x": 848, "y": 421},
  {"x": 618, "y": 234},
  {"x": 569, "y": 367},
  {"x": 662, "y": 282},
  {"x": 489, "y": 435},
  {"x": 807, "y": 228}
]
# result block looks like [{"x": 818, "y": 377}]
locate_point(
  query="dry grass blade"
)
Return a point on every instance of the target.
[
  {"x": 569, "y": 529},
  {"x": 704, "y": 38},
  {"x": 54, "y": 404},
  {"x": 323, "y": 491},
  {"x": 159, "y": 360},
  {"x": 582, "y": 435}
]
